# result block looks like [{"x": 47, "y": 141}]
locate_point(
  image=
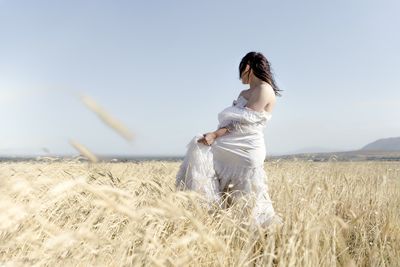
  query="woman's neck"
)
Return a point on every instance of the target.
[{"x": 257, "y": 83}]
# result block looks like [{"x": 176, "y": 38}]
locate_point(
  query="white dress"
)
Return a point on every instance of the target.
[{"x": 234, "y": 162}]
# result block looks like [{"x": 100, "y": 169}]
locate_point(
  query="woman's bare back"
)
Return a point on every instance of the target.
[{"x": 270, "y": 97}]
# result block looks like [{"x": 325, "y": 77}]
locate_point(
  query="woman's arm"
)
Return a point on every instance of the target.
[
  {"x": 221, "y": 131},
  {"x": 208, "y": 138}
]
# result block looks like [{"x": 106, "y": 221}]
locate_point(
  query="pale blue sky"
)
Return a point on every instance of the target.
[{"x": 166, "y": 68}]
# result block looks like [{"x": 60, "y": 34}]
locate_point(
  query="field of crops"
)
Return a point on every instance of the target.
[{"x": 129, "y": 214}]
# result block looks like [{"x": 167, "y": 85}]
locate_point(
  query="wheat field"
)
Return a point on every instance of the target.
[{"x": 73, "y": 213}]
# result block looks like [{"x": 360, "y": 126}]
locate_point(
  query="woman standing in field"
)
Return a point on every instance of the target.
[{"x": 228, "y": 164}]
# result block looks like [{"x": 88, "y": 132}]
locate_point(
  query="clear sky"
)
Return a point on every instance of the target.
[{"x": 166, "y": 68}]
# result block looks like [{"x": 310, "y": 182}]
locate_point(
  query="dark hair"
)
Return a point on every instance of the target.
[{"x": 261, "y": 69}]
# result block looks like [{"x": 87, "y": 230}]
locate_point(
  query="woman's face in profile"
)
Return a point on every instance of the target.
[{"x": 245, "y": 75}]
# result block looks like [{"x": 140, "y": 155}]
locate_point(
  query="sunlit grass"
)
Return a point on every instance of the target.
[{"x": 121, "y": 214}]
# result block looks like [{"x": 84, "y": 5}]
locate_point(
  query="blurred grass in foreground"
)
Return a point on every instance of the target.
[{"x": 121, "y": 214}]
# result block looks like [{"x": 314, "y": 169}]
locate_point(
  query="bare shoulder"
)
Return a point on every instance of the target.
[
  {"x": 267, "y": 88},
  {"x": 266, "y": 95},
  {"x": 264, "y": 91},
  {"x": 269, "y": 94}
]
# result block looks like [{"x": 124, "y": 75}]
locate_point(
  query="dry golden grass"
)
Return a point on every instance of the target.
[{"x": 123, "y": 214}]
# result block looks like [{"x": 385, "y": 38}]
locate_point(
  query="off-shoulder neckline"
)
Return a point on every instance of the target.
[{"x": 250, "y": 109}]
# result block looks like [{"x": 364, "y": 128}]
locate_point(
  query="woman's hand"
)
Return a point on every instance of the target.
[{"x": 208, "y": 138}]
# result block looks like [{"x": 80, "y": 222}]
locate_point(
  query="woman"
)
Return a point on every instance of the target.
[{"x": 231, "y": 159}]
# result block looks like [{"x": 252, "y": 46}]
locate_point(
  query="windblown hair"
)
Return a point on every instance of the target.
[{"x": 261, "y": 69}]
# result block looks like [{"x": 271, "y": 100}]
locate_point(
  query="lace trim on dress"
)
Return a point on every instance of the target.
[
  {"x": 235, "y": 117},
  {"x": 197, "y": 172},
  {"x": 236, "y": 173},
  {"x": 251, "y": 182}
]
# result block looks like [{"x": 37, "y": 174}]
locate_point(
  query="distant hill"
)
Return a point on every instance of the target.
[
  {"x": 384, "y": 144},
  {"x": 387, "y": 149},
  {"x": 354, "y": 155}
]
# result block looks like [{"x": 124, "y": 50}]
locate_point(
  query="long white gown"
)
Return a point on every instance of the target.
[{"x": 234, "y": 163}]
